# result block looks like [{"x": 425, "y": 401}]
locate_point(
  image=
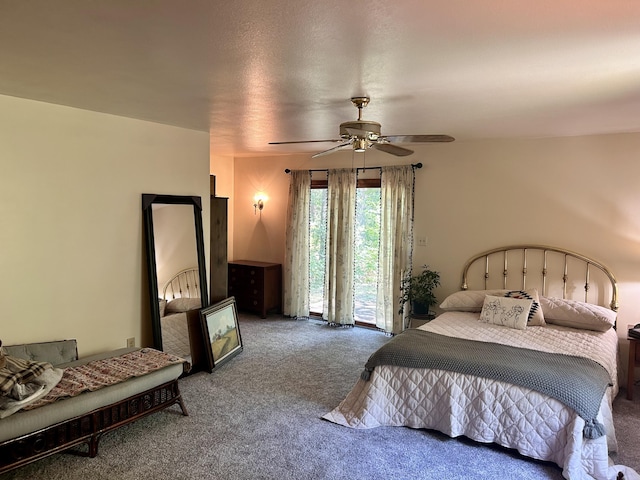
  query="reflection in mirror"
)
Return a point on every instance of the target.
[
  {"x": 175, "y": 240},
  {"x": 176, "y": 272}
]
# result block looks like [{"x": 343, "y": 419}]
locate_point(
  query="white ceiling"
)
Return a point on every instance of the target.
[{"x": 255, "y": 71}]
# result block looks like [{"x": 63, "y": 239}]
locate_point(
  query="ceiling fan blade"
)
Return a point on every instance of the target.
[
  {"x": 418, "y": 138},
  {"x": 392, "y": 149},
  {"x": 307, "y": 141},
  {"x": 331, "y": 150}
]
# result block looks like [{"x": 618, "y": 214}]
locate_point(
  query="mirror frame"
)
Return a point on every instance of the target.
[{"x": 148, "y": 200}]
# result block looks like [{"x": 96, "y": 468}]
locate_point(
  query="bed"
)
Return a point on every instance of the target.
[
  {"x": 571, "y": 314},
  {"x": 179, "y": 299}
]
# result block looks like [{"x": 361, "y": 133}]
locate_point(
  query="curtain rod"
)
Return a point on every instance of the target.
[{"x": 414, "y": 165}]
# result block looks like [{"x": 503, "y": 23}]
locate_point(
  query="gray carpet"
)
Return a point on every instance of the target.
[{"x": 258, "y": 417}]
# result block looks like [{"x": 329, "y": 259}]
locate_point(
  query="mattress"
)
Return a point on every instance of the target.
[{"x": 488, "y": 410}]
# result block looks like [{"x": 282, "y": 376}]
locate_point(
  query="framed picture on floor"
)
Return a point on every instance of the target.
[{"x": 221, "y": 331}]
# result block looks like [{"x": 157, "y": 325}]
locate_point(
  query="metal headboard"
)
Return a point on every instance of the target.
[
  {"x": 182, "y": 284},
  {"x": 522, "y": 254}
]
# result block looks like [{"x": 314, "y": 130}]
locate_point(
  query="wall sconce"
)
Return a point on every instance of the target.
[
  {"x": 259, "y": 205},
  {"x": 258, "y": 202}
]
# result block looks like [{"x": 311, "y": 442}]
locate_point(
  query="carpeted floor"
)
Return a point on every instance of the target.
[{"x": 258, "y": 417}]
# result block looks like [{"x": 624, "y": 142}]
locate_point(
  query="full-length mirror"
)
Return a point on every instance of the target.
[{"x": 176, "y": 273}]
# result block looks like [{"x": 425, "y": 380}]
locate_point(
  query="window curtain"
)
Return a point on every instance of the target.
[
  {"x": 296, "y": 260},
  {"x": 396, "y": 244},
  {"x": 339, "y": 272}
]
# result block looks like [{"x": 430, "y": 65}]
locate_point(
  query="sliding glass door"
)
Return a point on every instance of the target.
[
  {"x": 366, "y": 246},
  {"x": 317, "y": 247}
]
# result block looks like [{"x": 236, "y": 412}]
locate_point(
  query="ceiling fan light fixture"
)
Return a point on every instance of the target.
[{"x": 360, "y": 145}]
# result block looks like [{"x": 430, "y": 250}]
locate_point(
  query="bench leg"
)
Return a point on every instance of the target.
[{"x": 182, "y": 406}]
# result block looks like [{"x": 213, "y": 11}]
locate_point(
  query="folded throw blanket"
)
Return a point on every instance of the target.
[
  {"x": 18, "y": 372},
  {"x": 35, "y": 389}
]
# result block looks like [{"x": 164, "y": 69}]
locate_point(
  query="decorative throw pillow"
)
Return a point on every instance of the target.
[
  {"x": 506, "y": 311},
  {"x": 536, "y": 317},
  {"x": 473, "y": 300},
  {"x": 575, "y": 314}
]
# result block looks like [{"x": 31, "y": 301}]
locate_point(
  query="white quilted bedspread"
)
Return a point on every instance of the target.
[
  {"x": 175, "y": 335},
  {"x": 487, "y": 410}
]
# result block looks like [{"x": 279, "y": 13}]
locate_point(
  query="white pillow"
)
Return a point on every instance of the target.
[
  {"x": 575, "y": 314},
  {"x": 183, "y": 304},
  {"x": 506, "y": 311},
  {"x": 472, "y": 301},
  {"x": 468, "y": 300}
]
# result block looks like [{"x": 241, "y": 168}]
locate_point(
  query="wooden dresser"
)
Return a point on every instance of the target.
[{"x": 257, "y": 286}]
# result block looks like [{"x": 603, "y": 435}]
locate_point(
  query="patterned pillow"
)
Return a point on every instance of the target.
[
  {"x": 536, "y": 317},
  {"x": 472, "y": 301},
  {"x": 506, "y": 311}
]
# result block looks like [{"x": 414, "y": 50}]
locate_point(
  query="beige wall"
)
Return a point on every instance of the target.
[
  {"x": 71, "y": 261},
  {"x": 580, "y": 193},
  {"x": 260, "y": 236}
]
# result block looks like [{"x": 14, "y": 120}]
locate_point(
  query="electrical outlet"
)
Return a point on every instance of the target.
[
  {"x": 131, "y": 342},
  {"x": 422, "y": 241}
]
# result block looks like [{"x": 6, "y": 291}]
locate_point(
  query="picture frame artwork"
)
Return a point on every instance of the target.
[{"x": 221, "y": 331}]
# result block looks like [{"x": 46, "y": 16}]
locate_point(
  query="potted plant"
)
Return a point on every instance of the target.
[{"x": 418, "y": 290}]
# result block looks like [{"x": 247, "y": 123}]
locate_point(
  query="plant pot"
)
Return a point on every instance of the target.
[{"x": 419, "y": 308}]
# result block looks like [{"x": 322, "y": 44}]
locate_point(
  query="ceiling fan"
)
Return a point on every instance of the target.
[{"x": 362, "y": 134}]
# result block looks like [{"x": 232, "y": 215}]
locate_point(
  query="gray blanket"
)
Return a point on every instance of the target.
[{"x": 577, "y": 382}]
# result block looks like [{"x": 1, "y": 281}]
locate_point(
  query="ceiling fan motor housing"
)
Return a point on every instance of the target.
[{"x": 367, "y": 130}]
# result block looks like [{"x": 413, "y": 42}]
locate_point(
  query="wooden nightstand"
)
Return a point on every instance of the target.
[{"x": 634, "y": 361}]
